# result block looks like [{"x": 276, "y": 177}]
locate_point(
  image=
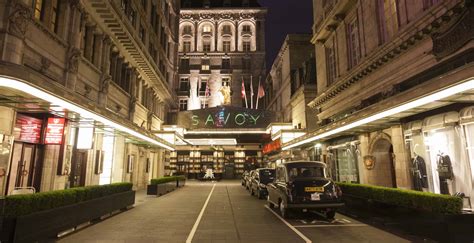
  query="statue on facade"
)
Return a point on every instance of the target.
[{"x": 225, "y": 95}]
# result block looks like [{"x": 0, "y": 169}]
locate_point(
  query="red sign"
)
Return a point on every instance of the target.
[
  {"x": 271, "y": 147},
  {"x": 27, "y": 129},
  {"x": 54, "y": 131}
]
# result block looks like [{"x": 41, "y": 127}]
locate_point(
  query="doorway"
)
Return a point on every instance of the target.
[
  {"x": 25, "y": 169},
  {"x": 78, "y": 171},
  {"x": 383, "y": 173}
]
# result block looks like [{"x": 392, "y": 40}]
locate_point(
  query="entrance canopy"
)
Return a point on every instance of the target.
[
  {"x": 386, "y": 113},
  {"x": 24, "y": 97}
]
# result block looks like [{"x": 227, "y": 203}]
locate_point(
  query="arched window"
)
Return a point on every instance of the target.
[{"x": 206, "y": 29}]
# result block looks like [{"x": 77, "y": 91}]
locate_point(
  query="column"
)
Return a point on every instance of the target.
[
  {"x": 76, "y": 29},
  {"x": 236, "y": 23}
]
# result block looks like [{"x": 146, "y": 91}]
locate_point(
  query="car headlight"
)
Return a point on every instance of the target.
[{"x": 262, "y": 185}]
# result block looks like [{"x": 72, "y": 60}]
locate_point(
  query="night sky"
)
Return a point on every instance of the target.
[{"x": 285, "y": 17}]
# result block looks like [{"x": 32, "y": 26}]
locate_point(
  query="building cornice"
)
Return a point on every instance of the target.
[
  {"x": 220, "y": 14},
  {"x": 406, "y": 40}
]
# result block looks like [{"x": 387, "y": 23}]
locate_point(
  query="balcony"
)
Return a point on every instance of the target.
[
  {"x": 246, "y": 33},
  {"x": 226, "y": 33},
  {"x": 187, "y": 33},
  {"x": 207, "y": 34}
]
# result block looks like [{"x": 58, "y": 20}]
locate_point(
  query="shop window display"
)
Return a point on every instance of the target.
[{"x": 343, "y": 163}]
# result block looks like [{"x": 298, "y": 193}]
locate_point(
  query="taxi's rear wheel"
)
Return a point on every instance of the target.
[{"x": 330, "y": 214}]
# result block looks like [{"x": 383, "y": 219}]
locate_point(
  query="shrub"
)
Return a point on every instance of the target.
[
  {"x": 17, "y": 205},
  {"x": 422, "y": 201},
  {"x": 166, "y": 179}
]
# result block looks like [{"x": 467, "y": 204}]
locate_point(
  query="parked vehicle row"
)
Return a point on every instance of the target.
[{"x": 299, "y": 186}]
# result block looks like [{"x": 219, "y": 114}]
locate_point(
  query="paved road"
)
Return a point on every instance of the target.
[{"x": 222, "y": 212}]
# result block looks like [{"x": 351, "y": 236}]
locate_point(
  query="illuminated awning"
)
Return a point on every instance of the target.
[
  {"x": 60, "y": 103},
  {"x": 461, "y": 92}
]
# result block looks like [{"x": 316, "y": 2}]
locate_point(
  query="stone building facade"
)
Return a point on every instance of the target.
[
  {"x": 221, "y": 43},
  {"x": 107, "y": 68},
  {"x": 393, "y": 93}
]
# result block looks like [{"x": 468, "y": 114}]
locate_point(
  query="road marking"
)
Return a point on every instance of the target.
[
  {"x": 290, "y": 226},
  {"x": 198, "y": 220},
  {"x": 330, "y": 225}
]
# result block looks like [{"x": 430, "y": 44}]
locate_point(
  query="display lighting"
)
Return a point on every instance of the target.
[
  {"x": 213, "y": 141},
  {"x": 55, "y": 101},
  {"x": 410, "y": 105},
  {"x": 226, "y": 132}
]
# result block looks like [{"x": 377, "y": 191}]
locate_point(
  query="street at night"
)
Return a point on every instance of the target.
[
  {"x": 230, "y": 215},
  {"x": 237, "y": 121}
]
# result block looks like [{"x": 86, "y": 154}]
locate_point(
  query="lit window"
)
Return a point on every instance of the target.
[
  {"x": 38, "y": 9},
  {"x": 206, "y": 29},
  {"x": 54, "y": 15},
  {"x": 225, "y": 81},
  {"x": 330, "y": 64},
  {"x": 183, "y": 104},
  {"x": 205, "y": 67},
  {"x": 353, "y": 40}
]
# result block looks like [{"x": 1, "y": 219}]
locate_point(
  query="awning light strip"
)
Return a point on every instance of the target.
[
  {"x": 410, "y": 105},
  {"x": 18, "y": 85}
]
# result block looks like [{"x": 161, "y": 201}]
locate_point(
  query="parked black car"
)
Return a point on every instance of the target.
[
  {"x": 304, "y": 185},
  {"x": 244, "y": 178},
  {"x": 260, "y": 180}
]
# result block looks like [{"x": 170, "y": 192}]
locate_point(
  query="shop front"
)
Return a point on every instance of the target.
[
  {"x": 441, "y": 153},
  {"x": 343, "y": 158}
]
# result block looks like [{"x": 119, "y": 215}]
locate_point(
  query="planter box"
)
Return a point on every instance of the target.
[
  {"x": 180, "y": 182},
  {"x": 45, "y": 225},
  {"x": 157, "y": 190},
  {"x": 439, "y": 227}
]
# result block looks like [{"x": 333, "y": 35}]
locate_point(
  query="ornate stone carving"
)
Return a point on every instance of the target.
[
  {"x": 105, "y": 83},
  {"x": 18, "y": 20},
  {"x": 460, "y": 31},
  {"x": 73, "y": 60},
  {"x": 87, "y": 90}
]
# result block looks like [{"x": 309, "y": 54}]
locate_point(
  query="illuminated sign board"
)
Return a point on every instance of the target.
[
  {"x": 27, "y": 129},
  {"x": 54, "y": 131},
  {"x": 272, "y": 147},
  {"x": 224, "y": 117}
]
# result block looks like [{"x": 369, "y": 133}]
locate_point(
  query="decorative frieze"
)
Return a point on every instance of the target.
[{"x": 18, "y": 20}]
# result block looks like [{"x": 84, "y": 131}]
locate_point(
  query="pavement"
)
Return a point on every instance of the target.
[{"x": 223, "y": 212}]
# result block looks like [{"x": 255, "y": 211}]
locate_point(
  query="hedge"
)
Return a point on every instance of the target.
[
  {"x": 17, "y": 205},
  {"x": 166, "y": 179},
  {"x": 422, "y": 201}
]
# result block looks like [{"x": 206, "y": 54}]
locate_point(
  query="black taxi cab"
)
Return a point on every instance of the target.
[{"x": 303, "y": 186}]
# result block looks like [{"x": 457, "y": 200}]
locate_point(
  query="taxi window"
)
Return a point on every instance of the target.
[{"x": 306, "y": 172}]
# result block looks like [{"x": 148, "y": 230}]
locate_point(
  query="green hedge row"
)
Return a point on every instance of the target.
[
  {"x": 17, "y": 205},
  {"x": 423, "y": 201},
  {"x": 166, "y": 179}
]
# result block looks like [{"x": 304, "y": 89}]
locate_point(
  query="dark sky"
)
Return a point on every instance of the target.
[{"x": 285, "y": 17}]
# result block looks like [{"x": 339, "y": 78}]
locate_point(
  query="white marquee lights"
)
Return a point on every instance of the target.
[
  {"x": 55, "y": 101},
  {"x": 410, "y": 105}
]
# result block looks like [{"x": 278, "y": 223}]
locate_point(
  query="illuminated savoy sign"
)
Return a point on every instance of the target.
[{"x": 224, "y": 117}]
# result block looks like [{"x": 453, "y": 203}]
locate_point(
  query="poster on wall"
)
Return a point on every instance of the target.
[
  {"x": 27, "y": 129},
  {"x": 54, "y": 131}
]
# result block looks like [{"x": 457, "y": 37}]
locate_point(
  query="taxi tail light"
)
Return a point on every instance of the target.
[{"x": 338, "y": 191}]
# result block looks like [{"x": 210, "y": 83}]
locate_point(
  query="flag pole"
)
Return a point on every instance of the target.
[
  {"x": 245, "y": 93},
  {"x": 251, "y": 91},
  {"x": 258, "y": 91}
]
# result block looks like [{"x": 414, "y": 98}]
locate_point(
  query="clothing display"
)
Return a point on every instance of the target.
[
  {"x": 420, "y": 178},
  {"x": 445, "y": 172}
]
